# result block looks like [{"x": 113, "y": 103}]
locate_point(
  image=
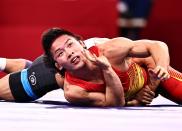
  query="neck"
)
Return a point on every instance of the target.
[{"x": 88, "y": 71}]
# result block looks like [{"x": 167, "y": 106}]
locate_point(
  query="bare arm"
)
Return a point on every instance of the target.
[
  {"x": 78, "y": 96},
  {"x": 157, "y": 49},
  {"x": 114, "y": 88},
  {"x": 139, "y": 48},
  {"x": 121, "y": 48},
  {"x": 113, "y": 95}
]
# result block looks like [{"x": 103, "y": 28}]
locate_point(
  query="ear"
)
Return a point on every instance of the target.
[{"x": 58, "y": 66}]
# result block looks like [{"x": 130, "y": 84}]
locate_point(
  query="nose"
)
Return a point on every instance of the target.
[{"x": 69, "y": 53}]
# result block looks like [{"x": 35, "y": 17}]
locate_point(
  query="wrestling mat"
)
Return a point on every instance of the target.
[{"x": 53, "y": 113}]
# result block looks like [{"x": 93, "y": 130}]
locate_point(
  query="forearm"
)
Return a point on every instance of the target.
[
  {"x": 160, "y": 54},
  {"x": 114, "y": 94}
]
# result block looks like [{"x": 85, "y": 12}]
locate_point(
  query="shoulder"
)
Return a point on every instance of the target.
[
  {"x": 116, "y": 42},
  {"x": 115, "y": 45},
  {"x": 95, "y": 41}
]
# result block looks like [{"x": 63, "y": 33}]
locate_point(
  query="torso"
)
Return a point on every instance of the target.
[{"x": 133, "y": 78}]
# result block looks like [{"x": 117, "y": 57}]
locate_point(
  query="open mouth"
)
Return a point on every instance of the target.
[{"x": 75, "y": 59}]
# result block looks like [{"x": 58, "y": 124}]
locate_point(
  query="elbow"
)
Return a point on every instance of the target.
[
  {"x": 156, "y": 44},
  {"x": 118, "y": 103},
  {"x": 165, "y": 48},
  {"x": 161, "y": 44},
  {"x": 122, "y": 102}
]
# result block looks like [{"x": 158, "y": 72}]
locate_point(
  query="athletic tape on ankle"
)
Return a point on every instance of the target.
[{"x": 2, "y": 64}]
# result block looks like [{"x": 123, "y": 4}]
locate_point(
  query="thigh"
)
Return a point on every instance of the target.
[
  {"x": 5, "y": 91},
  {"x": 17, "y": 87}
]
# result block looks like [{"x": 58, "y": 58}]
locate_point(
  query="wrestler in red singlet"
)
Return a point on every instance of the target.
[{"x": 134, "y": 79}]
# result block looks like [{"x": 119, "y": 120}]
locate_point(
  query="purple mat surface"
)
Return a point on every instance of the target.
[{"x": 53, "y": 113}]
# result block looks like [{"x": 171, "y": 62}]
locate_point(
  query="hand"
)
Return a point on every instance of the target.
[
  {"x": 133, "y": 102},
  {"x": 153, "y": 81},
  {"x": 145, "y": 96},
  {"x": 100, "y": 61},
  {"x": 160, "y": 73}
]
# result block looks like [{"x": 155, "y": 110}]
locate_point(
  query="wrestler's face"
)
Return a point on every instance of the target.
[{"x": 67, "y": 52}]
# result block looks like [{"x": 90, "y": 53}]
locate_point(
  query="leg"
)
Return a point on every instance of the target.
[
  {"x": 5, "y": 91},
  {"x": 11, "y": 88},
  {"x": 40, "y": 78},
  {"x": 172, "y": 87},
  {"x": 13, "y": 65}
]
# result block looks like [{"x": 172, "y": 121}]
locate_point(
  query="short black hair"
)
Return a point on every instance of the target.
[{"x": 49, "y": 36}]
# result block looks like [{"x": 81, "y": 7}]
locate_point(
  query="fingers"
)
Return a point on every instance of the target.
[
  {"x": 152, "y": 73},
  {"x": 88, "y": 55},
  {"x": 166, "y": 76},
  {"x": 146, "y": 95},
  {"x": 160, "y": 73},
  {"x": 133, "y": 102},
  {"x": 149, "y": 92},
  {"x": 146, "y": 102},
  {"x": 146, "y": 98},
  {"x": 100, "y": 61}
]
